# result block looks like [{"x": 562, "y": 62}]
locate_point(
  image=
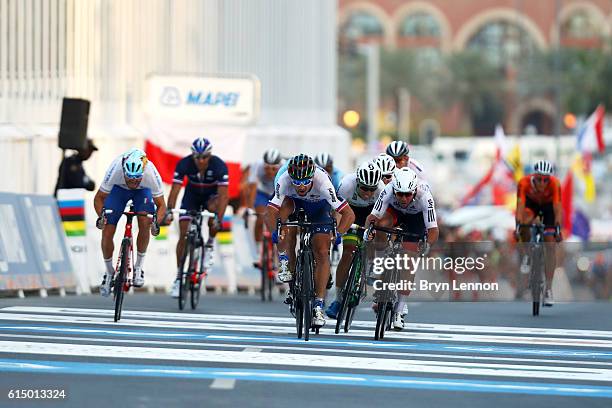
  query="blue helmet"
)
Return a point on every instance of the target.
[
  {"x": 134, "y": 162},
  {"x": 201, "y": 146}
]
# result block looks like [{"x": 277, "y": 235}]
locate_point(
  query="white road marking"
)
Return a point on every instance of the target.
[
  {"x": 471, "y": 338},
  {"x": 309, "y": 360},
  {"x": 259, "y": 348},
  {"x": 285, "y": 320},
  {"x": 223, "y": 384}
]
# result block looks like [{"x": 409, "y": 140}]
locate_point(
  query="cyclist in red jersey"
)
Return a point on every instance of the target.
[{"x": 540, "y": 192}]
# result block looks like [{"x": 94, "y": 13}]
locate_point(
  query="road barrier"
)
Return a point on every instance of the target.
[{"x": 33, "y": 248}]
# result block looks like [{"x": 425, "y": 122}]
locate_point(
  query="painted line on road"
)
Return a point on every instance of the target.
[
  {"x": 318, "y": 341},
  {"x": 309, "y": 360},
  {"x": 470, "y": 338},
  {"x": 223, "y": 384},
  {"x": 285, "y": 376},
  {"x": 259, "y": 348},
  {"x": 271, "y": 320}
]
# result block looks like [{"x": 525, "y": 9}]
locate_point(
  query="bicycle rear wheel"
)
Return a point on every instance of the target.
[
  {"x": 379, "y": 332},
  {"x": 354, "y": 301},
  {"x": 120, "y": 278}
]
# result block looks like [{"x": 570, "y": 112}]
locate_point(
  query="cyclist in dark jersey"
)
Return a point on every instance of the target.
[{"x": 206, "y": 186}]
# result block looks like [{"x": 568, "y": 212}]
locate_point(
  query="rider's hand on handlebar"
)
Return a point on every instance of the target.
[
  {"x": 101, "y": 221},
  {"x": 155, "y": 228},
  {"x": 337, "y": 240},
  {"x": 368, "y": 237},
  {"x": 425, "y": 249},
  {"x": 168, "y": 218},
  {"x": 558, "y": 234}
]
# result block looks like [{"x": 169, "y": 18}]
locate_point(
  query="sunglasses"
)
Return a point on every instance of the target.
[
  {"x": 133, "y": 178},
  {"x": 304, "y": 182},
  {"x": 400, "y": 194},
  {"x": 542, "y": 179},
  {"x": 201, "y": 156},
  {"x": 368, "y": 189}
]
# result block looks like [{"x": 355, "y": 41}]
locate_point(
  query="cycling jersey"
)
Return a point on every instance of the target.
[
  {"x": 322, "y": 190},
  {"x": 336, "y": 177},
  {"x": 114, "y": 177},
  {"x": 417, "y": 167},
  {"x": 551, "y": 195},
  {"x": 423, "y": 203},
  {"x": 281, "y": 171},
  {"x": 201, "y": 184},
  {"x": 257, "y": 175}
]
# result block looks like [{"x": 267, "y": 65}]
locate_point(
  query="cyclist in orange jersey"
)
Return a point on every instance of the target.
[{"x": 540, "y": 193}]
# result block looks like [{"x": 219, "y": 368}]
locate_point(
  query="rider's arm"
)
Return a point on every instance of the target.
[
  {"x": 160, "y": 203},
  {"x": 223, "y": 199},
  {"x": 272, "y": 214},
  {"x": 174, "y": 191},
  {"x": 99, "y": 201},
  {"x": 520, "y": 202},
  {"x": 347, "y": 216},
  {"x": 251, "y": 193},
  {"x": 432, "y": 235}
]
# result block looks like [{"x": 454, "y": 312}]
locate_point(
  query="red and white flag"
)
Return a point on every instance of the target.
[{"x": 590, "y": 134}]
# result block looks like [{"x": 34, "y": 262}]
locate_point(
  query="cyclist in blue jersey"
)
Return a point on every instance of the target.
[
  {"x": 207, "y": 187},
  {"x": 131, "y": 176},
  {"x": 326, "y": 161}
]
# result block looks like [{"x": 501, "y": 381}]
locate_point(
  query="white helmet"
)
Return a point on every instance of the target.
[
  {"x": 543, "y": 167},
  {"x": 405, "y": 180},
  {"x": 397, "y": 148},
  {"x": 324, "y": 160},
  {"x": 272, "y": 156},
  {"x": 385, "y": 163},
  {"x": 369, "y": 174}
]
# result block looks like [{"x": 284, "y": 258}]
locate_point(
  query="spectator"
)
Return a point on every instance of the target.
[{"x": 71, "y": 172}]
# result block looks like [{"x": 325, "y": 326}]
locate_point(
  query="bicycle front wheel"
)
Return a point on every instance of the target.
[
  {"x": 307, "y": 294},
  {"x": 536, "y": 278},
  {"x": 347, "y": 290},
  {"x": 184, "y": 280},
  {"x": 196, "y": 278},
  {"x": 121, "y": 277}
]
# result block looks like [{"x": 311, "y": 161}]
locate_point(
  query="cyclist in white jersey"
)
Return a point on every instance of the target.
[
  {"x": 407, "y": 203},
  {"x": 360, "y": 189},
  {"x": 308, "y": 187},
  {"x": 400, "y": 152},
  {"x": 130, "y": 177},
  {"x": 261, "y": 187}
]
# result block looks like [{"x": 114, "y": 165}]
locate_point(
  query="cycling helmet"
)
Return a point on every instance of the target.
[
  {"x": 301, "y": 167},
  {"x": 368, "y": 174},
  {"x": 385, "y": 163},
  {"x": 543, "y": 167},
  {"x": 324, "y": 160},
  {"x": 134, "y": 163},
  {"x": 404, "y": 180},
  {"x": 397, "y": 149},
  {"x": 201, "y": 146},
  {"x": 272, "y": 157}
]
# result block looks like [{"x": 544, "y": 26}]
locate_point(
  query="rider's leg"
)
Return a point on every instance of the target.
[
  {"x": 550, "y": 254},
  {"x": 320, "y": 248},
  {"x": 286, "y": 246},
  {"x": 108, "y": 246},
  {"x": 143, "y": 204}
]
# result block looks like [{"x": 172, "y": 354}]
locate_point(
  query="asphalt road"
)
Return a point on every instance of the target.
[{"x": 236, "y": 351}]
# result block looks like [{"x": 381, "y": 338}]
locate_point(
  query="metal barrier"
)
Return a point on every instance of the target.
[{"x": 33, "y": 250}]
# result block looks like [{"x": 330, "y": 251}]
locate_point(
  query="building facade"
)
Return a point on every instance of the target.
[{"x": 503, "y": 30}]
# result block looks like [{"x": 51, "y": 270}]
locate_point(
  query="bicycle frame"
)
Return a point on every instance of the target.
[{"x": 303, "y": 284}]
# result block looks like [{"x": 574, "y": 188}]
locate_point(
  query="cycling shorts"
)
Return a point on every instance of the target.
[{"x": 142, "y": 200}]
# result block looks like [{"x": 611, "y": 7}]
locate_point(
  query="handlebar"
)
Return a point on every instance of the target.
[
  {"x": 394, "y": 231},
  {"x": 193, "y": 213}
]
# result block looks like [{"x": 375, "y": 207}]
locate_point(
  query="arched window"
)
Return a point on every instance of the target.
[
  {"x": 362, "y": 24},
  {"x": 502, "y": 42},
  {"x": 579, "y": 25},
  {"x": 419, "y": 25}
]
